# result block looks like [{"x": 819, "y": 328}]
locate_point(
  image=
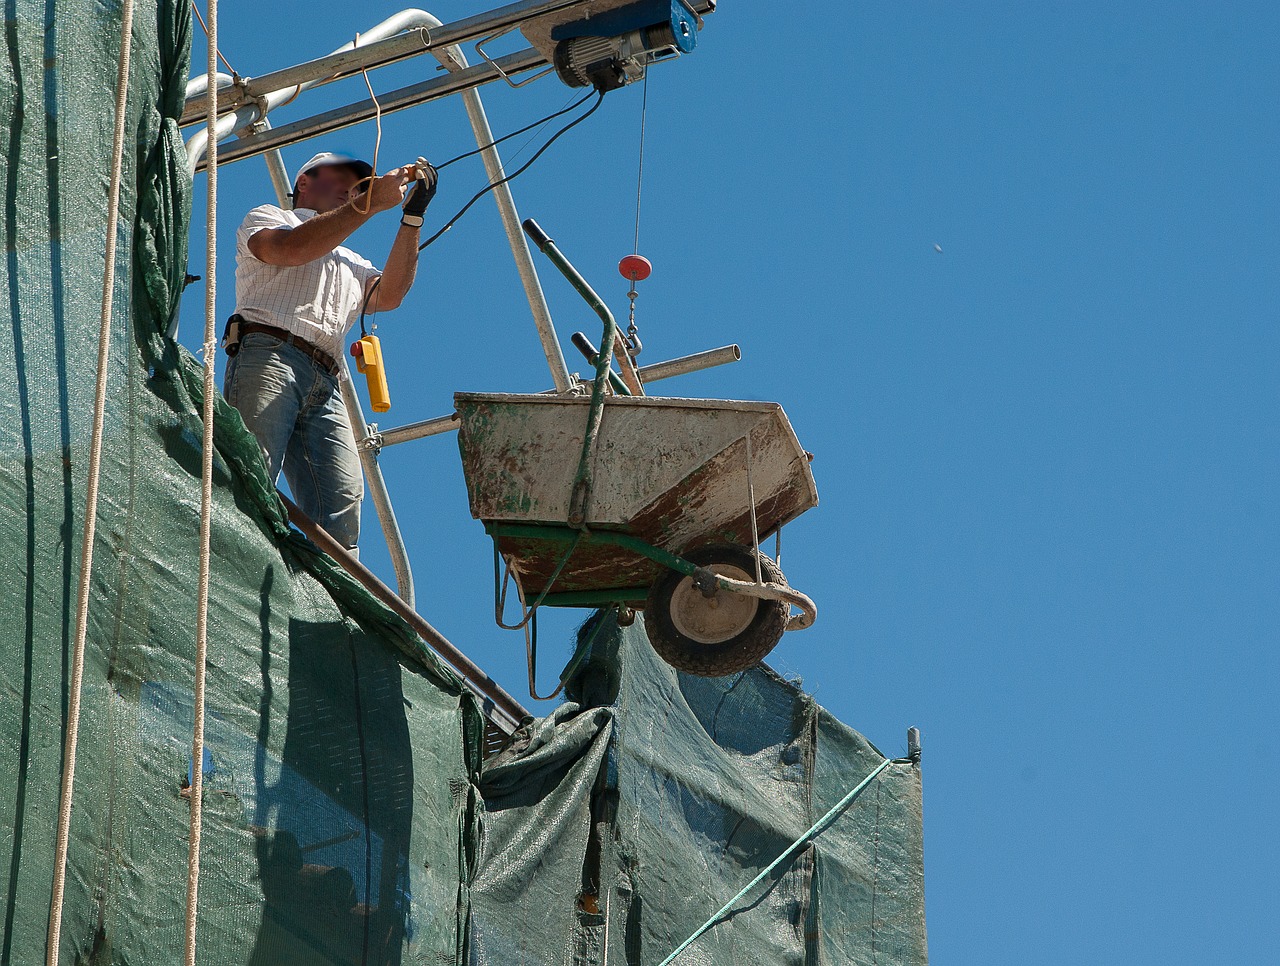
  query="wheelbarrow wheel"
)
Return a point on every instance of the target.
[{"x": 715, "y": 636}]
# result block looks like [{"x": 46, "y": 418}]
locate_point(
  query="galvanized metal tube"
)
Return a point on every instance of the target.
[
  {"x": 360, "y": 111},
  {"x": 693, "y": 363},
  {"x": 343, "y": 62},
  {"x": 427, "y": 427},
  {"x": 512, "y": 711},
  {"x": 198, "y": 85},
  {"x": 378, "y": 490},
  {"x": 279, "y": 173},
  {"x": 519, "y": 247}
]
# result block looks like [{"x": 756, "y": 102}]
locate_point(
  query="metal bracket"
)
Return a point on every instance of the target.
[
  {"x": 494, "y": 64},
  {"x": 706, "y": 582}
]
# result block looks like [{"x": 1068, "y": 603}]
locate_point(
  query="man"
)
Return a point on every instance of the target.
[{"x": 298, "y": 291}]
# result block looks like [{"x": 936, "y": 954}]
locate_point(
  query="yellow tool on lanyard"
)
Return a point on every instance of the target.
[{"x": 368, "y": 356}]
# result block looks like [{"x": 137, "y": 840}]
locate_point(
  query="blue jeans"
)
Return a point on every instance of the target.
[{"x": 295, "y": 409}]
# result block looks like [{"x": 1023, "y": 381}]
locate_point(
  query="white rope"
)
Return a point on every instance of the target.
[
  {"x": 206, "y": 490},
  {"x": 91, "y": 497}
]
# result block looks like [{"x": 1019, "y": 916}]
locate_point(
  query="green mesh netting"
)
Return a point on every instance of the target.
[
  {"x": 617, "y": 826},
  {"x": 340, "y": 754},
  {"x": 347, "y": 819}
]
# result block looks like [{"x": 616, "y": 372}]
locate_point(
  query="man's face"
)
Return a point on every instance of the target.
[{"x": 327, "y": 188}]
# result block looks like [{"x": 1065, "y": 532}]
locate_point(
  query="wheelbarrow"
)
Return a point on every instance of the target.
[{"x": 641, "y": 503}]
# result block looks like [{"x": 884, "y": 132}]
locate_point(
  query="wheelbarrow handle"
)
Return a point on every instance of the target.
[
  {"x": 770, "y": 591},
  {"x": 536, "y": 234}
]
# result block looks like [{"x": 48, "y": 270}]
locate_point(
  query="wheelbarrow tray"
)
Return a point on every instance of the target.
[{"x": 671, "y": 472}]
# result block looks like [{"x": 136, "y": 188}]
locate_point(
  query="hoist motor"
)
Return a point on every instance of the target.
[{"x": 613, "y": 49}]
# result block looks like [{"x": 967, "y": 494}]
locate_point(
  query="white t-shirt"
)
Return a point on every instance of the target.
[{"x": 318, "y": 301}]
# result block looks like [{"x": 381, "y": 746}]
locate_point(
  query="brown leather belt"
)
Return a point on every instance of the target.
[{"x": 318, "y": 356}]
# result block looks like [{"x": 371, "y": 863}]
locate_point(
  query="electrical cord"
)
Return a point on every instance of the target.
[
  {"x": 507, "y": 137},
  {"x": 501, "y": 181}
]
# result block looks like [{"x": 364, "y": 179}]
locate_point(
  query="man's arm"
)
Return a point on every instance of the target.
[
  {"x": 321, "y": 234},
  {"x": 393, "y": 285}
]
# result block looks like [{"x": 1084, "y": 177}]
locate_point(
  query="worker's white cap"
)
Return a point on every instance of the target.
[{"x": 327, "y": 159}]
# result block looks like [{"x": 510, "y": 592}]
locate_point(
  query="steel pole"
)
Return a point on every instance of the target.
[{"x": 378, "y": 490}]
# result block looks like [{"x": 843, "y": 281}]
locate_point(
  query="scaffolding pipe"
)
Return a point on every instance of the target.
[
  {"x": 279, "y": 174},
  {"x": 344, "y": 62},
  {"x": 360, "y": 111},
  {"x": 196, "y": 88},
  {"x": 659, "y": 370},
  {"x": 406, "y": 34},
  {"x": 519, "y": 247},
  {"x": 496, "y": 698},
  {"x": 419, "y": 430},
  {"x": 378, "y": 489},
  {"x": 692, "y": 363}
]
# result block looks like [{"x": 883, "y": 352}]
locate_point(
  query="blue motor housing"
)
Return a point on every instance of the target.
[
  {"x": 615, "y": 48},
  {"x": 652, "y": 16}
]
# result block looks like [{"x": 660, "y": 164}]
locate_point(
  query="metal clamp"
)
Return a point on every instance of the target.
[{"x": 372, "y": 439}]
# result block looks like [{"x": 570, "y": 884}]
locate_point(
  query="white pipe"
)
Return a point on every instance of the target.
[{"x": 199, "y": 85}]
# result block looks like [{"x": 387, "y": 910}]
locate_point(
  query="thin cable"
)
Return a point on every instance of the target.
[
  {"x": 516, "y": 133},
  {"x": 206, "y": 498},
  {"x": 644, "y": 113},
  {"x": 817, "y": 828},
  {"x": 486, "y": 189},
  {"x": 212, "y": 6},
  {"x": 91, "y": 495},
  {"x": 520, "y": 170}
]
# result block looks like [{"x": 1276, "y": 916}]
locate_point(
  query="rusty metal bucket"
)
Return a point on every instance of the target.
[{"x": 668, "y": 474}]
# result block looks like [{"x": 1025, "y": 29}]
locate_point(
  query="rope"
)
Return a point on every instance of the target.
[
  {"x": 818, "y": 828},
  {"x": 91, "y": 496},
  {"x": 206, "y": 497},
  {"x": 751, "y": 502},
  {"x": 377, "y": 145}
]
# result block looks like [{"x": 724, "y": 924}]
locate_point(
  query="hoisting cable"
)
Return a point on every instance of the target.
[
  {"x": 91, "y": 496},
  {"x": 818, "y": 827},
  {"x": 206, "y": 496},
  {"x": 495, "y": 184},
  {"x": 644, "y": 113},
  {"x": 635, "y": 267}
]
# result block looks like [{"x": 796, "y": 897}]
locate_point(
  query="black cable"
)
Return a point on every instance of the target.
[
  {"x": 518, "y": 171},
  {"x": 508, "y": 137},
  {"x": 489, "y": 187}
]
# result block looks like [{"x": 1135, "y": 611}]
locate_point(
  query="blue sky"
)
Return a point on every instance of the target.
[{"x": 1047, "y": 455}]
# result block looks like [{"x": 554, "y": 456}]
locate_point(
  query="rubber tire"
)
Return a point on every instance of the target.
[{"x": 745, "y": 649}]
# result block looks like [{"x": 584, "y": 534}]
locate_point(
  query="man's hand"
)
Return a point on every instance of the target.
[{"x": 385, "y": 192}]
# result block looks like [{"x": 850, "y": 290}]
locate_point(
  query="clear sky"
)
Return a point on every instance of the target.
[{"x": 1047, "y": 454}]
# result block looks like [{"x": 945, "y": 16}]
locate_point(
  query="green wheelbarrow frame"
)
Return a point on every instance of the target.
[{"x": 707, "y": 580}]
